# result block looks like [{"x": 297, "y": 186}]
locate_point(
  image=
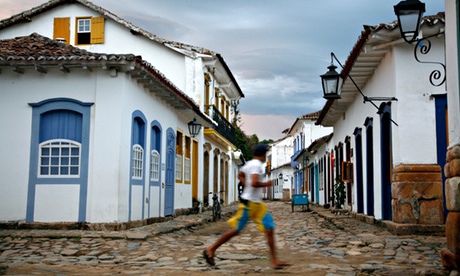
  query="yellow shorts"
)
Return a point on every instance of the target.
[{"x": 255, "y": 211}]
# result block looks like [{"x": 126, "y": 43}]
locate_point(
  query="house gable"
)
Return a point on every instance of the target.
[{"x": 94, "y": 14}]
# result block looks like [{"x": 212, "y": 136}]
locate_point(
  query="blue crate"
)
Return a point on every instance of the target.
[{"x": 299, "y": 199}]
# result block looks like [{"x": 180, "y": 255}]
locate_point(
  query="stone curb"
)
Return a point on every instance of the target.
[{"x": 140, "y": 233}]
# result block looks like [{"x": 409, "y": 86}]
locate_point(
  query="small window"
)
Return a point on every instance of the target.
[
  {"x": 155, "y": 166},
  {"x": 187, "y": 170},
  {"x": 84, "y": 31},
  {"x": 178, "y": 167},
  {"x": 59, "y": 158},
  {"x": 179, "y": 155},
  {"x": 84, "y": 25},
  {"x": 137, "y": 162},
  {"x": 187, "y": 160}
]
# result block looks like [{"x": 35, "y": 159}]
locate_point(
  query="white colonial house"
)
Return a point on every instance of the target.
[
  {"x": 319, "y": 184},
  {"x": 279, "y": 166},
  {"x": 102, "y": 137},
  {"x": 304, "y": 131},
  {"x": 389, "y": 136}
]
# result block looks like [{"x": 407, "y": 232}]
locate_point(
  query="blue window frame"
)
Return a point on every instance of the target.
[
  {"x": 137, "y": 166},
  {"x": 59, "y": 148}
]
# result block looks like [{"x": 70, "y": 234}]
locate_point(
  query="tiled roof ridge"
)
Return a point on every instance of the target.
[
  {"x": 312, "y": 115},
  {"x": 25, "y": 16},
  {"x": 320, "y": 141},
  {"x": 38, "y": 47},
  {"x": 430, "y": 20}
]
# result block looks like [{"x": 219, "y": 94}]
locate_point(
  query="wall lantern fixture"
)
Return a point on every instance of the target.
[
  {"x": 280, "y": 176},
  {"x": 305, "y": 160},
  {"x": 409, "y": 14},
  {"x": 194, "y": 128},
  {"x": 333, "y": 81}
]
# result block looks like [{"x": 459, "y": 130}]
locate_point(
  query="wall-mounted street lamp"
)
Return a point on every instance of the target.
[
  {"x": 194, "y": 128},
  {"x": 410, "y": 13},
  {"x": 333, "y": 81}
]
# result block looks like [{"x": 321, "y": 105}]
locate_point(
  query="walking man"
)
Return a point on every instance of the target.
[{"x": 251, "y": 207}]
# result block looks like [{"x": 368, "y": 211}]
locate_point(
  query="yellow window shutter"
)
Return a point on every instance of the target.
[
  {"x": 97, "y": 30},
  {"x": 62, "y": 29}
]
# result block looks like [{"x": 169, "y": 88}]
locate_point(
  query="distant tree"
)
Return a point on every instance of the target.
[
  {"x": 240, "y": 136},
  {"x": 244, "y": 142},
  {"x": 267, "y": 142}
]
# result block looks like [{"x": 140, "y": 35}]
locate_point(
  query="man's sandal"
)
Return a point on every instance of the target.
[{"x": 209, "y": 260}]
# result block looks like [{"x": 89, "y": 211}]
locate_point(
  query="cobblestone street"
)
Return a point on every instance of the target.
[{"x": 316, "y": 243}]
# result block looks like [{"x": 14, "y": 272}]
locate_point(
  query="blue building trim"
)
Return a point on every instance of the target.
[
  {"x": 359, "y": 169},
  {"x": 316, "y": 182},
  {"x": 138, "y": 136},
  {"x": 369, "y": 124},
  {"x": 156, "y": 132},
  {"x": 170, "y": 179},
  {"x": 441, "y": 140},
  {"x": 385, "y": 159},
  {"x": 43, "y": 107}
]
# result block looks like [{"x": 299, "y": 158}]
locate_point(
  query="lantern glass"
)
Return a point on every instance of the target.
[
  {"x": 194, "y": 128},
  {"x": 332, "y": 83},
  {"x": 409, "y": 15}
]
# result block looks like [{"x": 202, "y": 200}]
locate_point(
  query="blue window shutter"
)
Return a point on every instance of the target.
[{"x": 61, "y": 124}]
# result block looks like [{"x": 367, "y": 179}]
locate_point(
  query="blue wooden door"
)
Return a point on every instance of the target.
[
  {"x": 169, "y": 177},
  {"x": 441, "y": 138},
  {"x": 359, "y": 169},
  {"x": 385, "y": 160}
]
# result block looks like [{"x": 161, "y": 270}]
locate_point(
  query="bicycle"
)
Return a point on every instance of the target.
[{"x": 216, "y": 207}]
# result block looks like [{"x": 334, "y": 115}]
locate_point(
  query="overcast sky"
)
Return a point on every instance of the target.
[{"x": 276, "y": 49}]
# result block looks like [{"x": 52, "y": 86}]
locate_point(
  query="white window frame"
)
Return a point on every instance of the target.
[
  {"x": 178, "y": 167},
  {"x": 86, "y": 28},
  {"x": 187, "y": 168},
  {"x": 60, "y": 159},
  {"x": 137, "y": 162},
  {"x": 154, "y": 165}
]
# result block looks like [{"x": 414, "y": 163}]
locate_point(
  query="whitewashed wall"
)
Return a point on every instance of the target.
[
  {"x": 117, "y": 39},
  {"x": 110, "y": 137},
  {"x": 414, "y": 139}
]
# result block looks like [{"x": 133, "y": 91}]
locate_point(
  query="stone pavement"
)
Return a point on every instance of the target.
[{"x": 316, "y": 243}]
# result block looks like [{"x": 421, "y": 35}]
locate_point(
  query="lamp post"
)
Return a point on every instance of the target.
[
  {"x": 194, "y": 128},
  {"x": 409, "y": 13}
]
